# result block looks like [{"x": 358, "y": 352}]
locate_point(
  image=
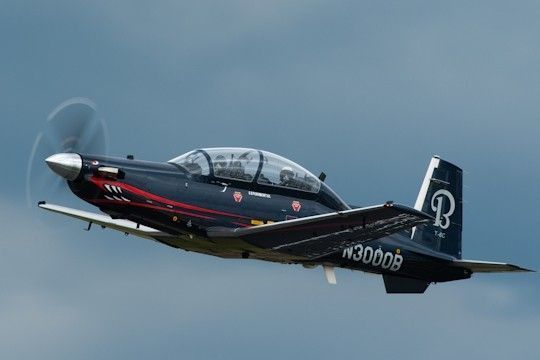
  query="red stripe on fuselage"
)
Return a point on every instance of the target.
[
  {"x": 100, "y": 183},
  {"x": 241, "y": 224},
  {"x": 104, "y": 201}
]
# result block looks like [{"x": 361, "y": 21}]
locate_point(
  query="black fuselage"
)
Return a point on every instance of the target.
[{"x": 167, "y": 197}]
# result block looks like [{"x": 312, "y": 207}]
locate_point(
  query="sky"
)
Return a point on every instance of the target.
[{"x": 366, "y": 91}]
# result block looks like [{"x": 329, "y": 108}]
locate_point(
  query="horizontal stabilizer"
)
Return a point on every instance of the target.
[
  {"x": 403, "y": 285},
  {"x": 125, "y": 226},
  {"x": 315, "y": 236},
  {"x": 476, "y": 266}
]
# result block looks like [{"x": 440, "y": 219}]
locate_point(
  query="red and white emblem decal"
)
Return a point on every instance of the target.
[
  {"x": 237, "y": 196},
  {"x": 94, "y": 162},
  {"x": 296, "y": 206}
]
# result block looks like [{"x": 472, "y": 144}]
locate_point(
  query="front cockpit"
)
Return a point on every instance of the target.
[{"x": 249, "y": 166}]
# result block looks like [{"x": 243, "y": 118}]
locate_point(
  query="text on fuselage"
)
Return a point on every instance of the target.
[{"x": 378, "y": 258}]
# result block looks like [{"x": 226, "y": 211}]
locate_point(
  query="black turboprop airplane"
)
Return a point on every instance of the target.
[{"x": 247, "y": 203}]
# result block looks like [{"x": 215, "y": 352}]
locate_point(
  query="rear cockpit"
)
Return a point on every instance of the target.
[{"x": 249, "y": 166}]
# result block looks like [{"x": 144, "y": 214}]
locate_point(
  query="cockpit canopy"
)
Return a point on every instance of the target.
[{"x": 248, "y": 165}]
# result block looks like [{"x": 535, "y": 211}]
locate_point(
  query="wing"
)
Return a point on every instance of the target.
[
  {"x": 124, "y": 226},
  {"x": 316, "y": 236},
  {"x": 488, "y": 267}
]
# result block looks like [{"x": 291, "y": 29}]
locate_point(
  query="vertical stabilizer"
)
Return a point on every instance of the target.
[{"x": 441, "y": 195}]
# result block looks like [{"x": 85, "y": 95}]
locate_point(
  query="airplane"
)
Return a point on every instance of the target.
[{"x": 241, "y": 203}]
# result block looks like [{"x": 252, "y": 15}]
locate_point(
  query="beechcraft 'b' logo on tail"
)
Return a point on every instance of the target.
[{"x": 442, "y": 219}]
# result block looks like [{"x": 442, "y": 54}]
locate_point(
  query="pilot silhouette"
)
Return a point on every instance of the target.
[
  {"x": 220, "y": 166},
  {"x": 286, "y": 177}
]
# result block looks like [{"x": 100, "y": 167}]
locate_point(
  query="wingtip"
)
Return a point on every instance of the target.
[
  {"x": 521, "y": 269},
  {"x": 41, "y": 202}
]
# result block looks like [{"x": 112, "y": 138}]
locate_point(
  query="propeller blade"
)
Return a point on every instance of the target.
[{"x": 73, "y": 126}]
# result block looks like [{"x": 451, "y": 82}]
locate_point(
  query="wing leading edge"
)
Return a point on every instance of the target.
[
  {"x": 124, "y": 226},
  {"x": 316, "y": 236}
]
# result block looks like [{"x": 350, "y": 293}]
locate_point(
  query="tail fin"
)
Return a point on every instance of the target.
[{"x": 441, "y": 195}]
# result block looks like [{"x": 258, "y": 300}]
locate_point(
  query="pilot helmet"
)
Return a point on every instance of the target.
[
  {"x": 286, "y": 174},
  {"x": 220, "y": 162}
]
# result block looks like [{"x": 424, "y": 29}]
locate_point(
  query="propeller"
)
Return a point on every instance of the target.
[{"x": 74, "y": 126}]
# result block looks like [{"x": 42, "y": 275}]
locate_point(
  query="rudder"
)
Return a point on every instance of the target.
[{"x": 441, "y": 195}]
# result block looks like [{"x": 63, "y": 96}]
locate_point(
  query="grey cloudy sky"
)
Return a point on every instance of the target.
[{"x": 366, "y": 91}]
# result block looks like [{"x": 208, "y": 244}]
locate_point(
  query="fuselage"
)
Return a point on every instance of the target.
[{"x": 171, "y": 198}]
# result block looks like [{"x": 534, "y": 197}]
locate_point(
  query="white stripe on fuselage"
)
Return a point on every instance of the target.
[{"x": 433, "y": 164}]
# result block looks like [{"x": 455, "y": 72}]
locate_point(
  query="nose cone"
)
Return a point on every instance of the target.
[{"x": 67, "y": 165}]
